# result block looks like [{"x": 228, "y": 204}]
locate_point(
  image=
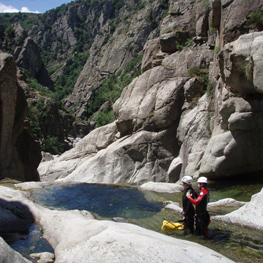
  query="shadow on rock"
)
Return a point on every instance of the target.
[{"x": 14, "y": 217}]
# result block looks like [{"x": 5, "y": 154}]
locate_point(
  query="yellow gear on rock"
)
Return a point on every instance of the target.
[{"x": 167, "y": 225}]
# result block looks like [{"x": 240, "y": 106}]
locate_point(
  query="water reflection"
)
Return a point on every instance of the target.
[
  {"x": 28, "y": 241},
  {"x": 104, "y": 200}
]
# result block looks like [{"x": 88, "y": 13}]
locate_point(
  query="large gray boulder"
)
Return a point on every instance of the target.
[
  {"x": 154, "y": 100},
  {"x": 149, "y": 103},
  {"x": 77, "y": 237},
  {"x": 241, "y": 64},
  {"x": 129, "y": 159},
  {"x": 194, "y": 132},
  {"x": 249, "y": 215},
  {"x": 236, "y": 148},
  {"x": 235, "y": 144},
  {"x": 62, "y": 166}
]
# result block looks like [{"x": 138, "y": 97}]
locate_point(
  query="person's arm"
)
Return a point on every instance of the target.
[
  {"x": 188, "y": 205},
  {"x": 199, "y": 198}
]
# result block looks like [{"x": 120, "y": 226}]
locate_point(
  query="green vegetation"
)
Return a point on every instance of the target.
[
  {"x": 201, "y": 73},
  {"x": 26, "y": 20},
  {"x": 205, "y": 3},
  {"x": 65, "y": 60},
  {"x": 37, "y": 115},
  {"x": 189, "y": 42},
  {"x": 213, "y": 30},
  {"x": 50, "y": 144},
  {"x": 216, "y": 49},
  {"x": 66, "y": 81},
  {"x": 112, "y": 87},
  {"x": 255, "y": 20},
  {"x": 208, "y": 123},
  {"x": 33, "y": 83},
  {"x": 106, "y": 116}
]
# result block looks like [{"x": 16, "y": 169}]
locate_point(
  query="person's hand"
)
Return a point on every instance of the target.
[{"x": 188, "y": 195}]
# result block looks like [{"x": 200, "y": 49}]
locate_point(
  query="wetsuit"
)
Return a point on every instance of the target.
[
  {"x": 188, "y": 209},
  {"x": 203, "y": 218}
]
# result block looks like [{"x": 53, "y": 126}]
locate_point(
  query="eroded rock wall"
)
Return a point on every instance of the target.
[{"x": 19, "y": 152}]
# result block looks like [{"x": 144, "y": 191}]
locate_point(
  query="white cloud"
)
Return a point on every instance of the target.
[
  {"x": 11, "y": 9},
  {"x": 7, "y": 9},
  {"x": 26, "y": 10}
]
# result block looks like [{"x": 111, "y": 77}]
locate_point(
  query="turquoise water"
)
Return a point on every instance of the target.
[{"x": 146, "y": 209}]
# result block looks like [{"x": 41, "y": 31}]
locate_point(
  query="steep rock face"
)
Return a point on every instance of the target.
[
  {"x": 241, "y": 64},
  {"x": 187, "y": 105},
  {"x": 20, "y": 153},
  {"x": 234, "y": 14},
  {"x": 154, "y": 100},
  {"x": 112, "y": 49},
  {"x": 28, "y": 57},
  {"x": 235, "y": 145},
  {"x": 185, "y": 18}
]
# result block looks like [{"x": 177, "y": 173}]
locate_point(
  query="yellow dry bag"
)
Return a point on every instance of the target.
[{"x": 167, "y": 225}]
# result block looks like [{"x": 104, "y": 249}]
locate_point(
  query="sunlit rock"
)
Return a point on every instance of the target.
[{"x": 249, "y": 215}]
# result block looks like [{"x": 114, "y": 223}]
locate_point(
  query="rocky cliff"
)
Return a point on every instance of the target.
[
  {"x": 90, "y": 47},
  {"x": 195, "y": 109},
  {"x": 20, "y": 153}
]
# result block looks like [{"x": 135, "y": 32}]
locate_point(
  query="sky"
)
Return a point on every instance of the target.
[{"x": 30, "y": 6}]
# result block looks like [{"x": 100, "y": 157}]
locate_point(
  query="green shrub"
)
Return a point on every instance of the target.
[
  {"x": 256, "y": 20},
  {"x": 51, "y": 145},
  {"x": 104, "y": 117},
  {"x": 216, "y": 50},
  {"x": 10, "y": 32},
  {"x": 112, "y": 87},
  {"x": 201, "y": 74},
  {"x": 33, "y": 83},
  {"x": 37, "y": 115},
  {"x": 205, "y": 3}
]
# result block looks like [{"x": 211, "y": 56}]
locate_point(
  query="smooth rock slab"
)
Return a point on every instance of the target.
[
  {"x": 250, "y": 215},
  {"x": 226, "y": 202},
  {"x": 160, "y": 187},
  {"x": 44, "y": 257}
]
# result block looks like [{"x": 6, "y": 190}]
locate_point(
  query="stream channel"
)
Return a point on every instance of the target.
[{"x": 146, "y": 209}]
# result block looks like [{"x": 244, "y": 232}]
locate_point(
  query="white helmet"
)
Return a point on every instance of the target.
[
  {"x": 202, "y": 180},
  {"x": 187, "y": 179}
]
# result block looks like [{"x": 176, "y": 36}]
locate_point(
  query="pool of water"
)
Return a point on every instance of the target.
[{"x": 104, "y": 200}]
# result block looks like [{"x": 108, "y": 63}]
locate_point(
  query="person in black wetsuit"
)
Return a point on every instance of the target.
[
  {"x": 203, "y": 218},
  {"x": 188, "y": 208}
]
